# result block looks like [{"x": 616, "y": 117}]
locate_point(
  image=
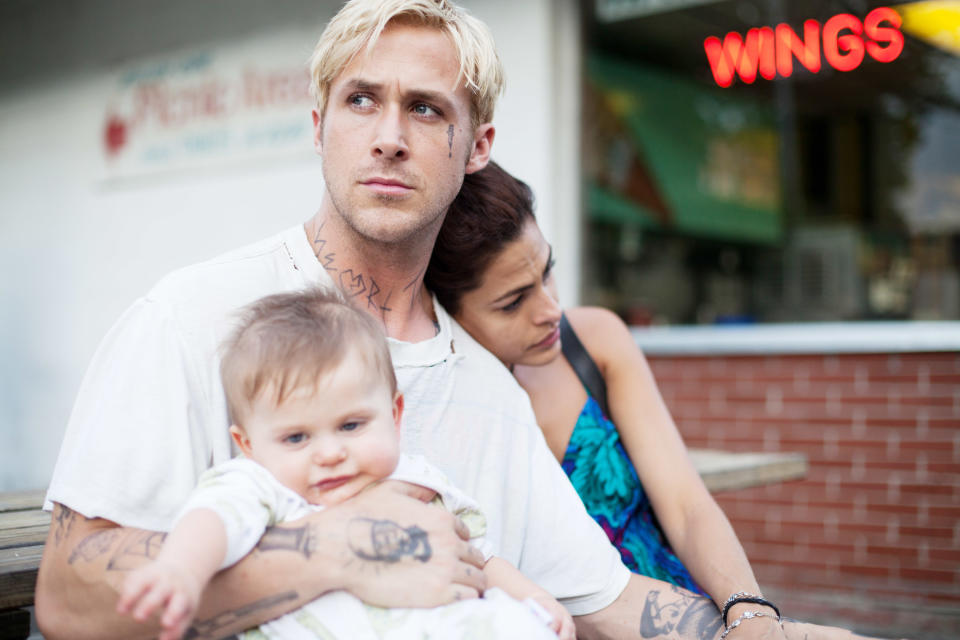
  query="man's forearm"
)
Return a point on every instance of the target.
[
  {"x": 374, "y": 545},
  {"x": 652, "y": 609},
  {"x": 85, "y": 562}
]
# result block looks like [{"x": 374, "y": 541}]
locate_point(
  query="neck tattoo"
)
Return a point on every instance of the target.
[{"x": 352, "y": 282}]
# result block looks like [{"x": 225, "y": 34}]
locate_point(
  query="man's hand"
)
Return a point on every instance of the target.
[
  {"x": 173, "y": 589},
  {"x": 395, "y": 541}
]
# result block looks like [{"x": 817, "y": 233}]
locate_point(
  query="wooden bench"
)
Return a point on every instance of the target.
[
  {"x": 23, "y": 525},
  {"x": 726, "y": 471},
  {"x": 23, "y": 530}
]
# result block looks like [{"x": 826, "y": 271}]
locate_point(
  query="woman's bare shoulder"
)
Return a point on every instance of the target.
[
  {"x": 601, "y": 331},
  {"x": 592, "y": 317}
]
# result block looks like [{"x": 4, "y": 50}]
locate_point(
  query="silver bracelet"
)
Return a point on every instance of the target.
[
  {"x": 746, "y": 615},
  {"x": 737, "y": 597},
  {"x": 742, "y": 594}
]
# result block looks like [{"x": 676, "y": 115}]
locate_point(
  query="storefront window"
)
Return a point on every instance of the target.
[{"x": 772, "y": 161}]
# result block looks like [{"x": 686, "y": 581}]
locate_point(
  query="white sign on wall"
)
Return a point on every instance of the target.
[{"x": 210, "y": 107}]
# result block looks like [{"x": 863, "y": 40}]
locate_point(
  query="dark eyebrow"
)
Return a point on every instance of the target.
[
  {"x": 549, "y": 264},
  {"x": 414, "y": 95},
  {"x": 433, "y": 97},
  {"x": 513, "y": 292},
  {"x": 359, "y": 84}
]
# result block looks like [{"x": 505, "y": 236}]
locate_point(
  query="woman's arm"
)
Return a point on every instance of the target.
[
  {"x": 85, "y": 562},
  {"x": 696, "y": 527}
]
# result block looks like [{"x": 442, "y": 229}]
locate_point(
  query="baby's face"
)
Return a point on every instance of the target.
[{"x": 329, "y": 442}]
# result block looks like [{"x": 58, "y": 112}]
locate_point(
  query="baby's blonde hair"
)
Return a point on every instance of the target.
[
  {"x": 289, "y": 341},
  {"x": 360, "y": 22}
]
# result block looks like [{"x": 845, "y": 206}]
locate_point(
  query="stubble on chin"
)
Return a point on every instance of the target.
[
  {"x": 380, "y": 223},
  {"x": 384, "y": 220}
]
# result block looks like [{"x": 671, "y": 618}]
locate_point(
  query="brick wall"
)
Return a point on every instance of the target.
[{"x": 870, "y": 539}]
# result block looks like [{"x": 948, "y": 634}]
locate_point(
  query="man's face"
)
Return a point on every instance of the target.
[{"x": 396, "y": 137}]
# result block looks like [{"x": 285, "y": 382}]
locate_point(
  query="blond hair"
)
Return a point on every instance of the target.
[
  {"x": 289, "y": 341},
  {"x": 360, "y": 22}
]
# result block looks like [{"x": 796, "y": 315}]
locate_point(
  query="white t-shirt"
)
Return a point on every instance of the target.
[{"x": 151, "y": 417}]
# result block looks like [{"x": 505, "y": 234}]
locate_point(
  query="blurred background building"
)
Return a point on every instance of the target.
[
  {"x": 769, "y": 191},
  {"x": 777, "y": 186}
]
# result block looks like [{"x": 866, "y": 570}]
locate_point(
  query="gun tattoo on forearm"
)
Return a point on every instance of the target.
[
  {"x": 298, "y": 539},
  {"x": 386, "y": 541}
]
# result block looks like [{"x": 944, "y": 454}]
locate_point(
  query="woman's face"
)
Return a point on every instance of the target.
[{"x": 514, "y": 313}]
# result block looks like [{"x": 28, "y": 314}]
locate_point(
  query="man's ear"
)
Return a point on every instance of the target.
[
  {"x": 397, "y": 410},
  {"x": 317, "y": 131},
  {"x": 482, "y": 142},
  {"x": 240, "y": 437}
]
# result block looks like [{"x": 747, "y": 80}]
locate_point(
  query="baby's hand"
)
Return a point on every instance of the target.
[
  {"x": 562, "y": 621},
  {"x": 164, "y": 585}
]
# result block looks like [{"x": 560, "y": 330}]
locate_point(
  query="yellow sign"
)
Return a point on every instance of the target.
[{"x": 936, "y": 22}]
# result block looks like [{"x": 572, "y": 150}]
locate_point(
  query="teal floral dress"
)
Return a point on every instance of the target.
[{"x": 601, "y": 472}]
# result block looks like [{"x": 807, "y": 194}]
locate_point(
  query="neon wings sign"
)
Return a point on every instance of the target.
[{"x": 769, "y": 51}]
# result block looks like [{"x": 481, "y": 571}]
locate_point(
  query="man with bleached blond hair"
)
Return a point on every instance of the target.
[{"x": 405, "y": 92}]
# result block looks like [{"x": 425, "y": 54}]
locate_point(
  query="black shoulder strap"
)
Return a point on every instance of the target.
[{"x": 586, "y": 369}]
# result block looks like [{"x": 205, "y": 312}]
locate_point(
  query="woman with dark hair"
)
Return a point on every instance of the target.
[{"x": 596, "y": 402}]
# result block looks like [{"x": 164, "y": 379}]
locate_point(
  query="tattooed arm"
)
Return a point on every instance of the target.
[
  {"x": 651, "y": 609},
  {"x": 191, "y": 555},
  {"x": 85, "y": 562},
  {"x": 654, "y": 610}
]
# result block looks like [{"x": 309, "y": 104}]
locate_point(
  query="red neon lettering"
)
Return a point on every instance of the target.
[
  {"x": 721, "y": 64},
  {"x": 851, "y": 44},
  {"x": 806, "y": 50},
  {"x": 768, "y": 52},
  {"x": 877, "y": 34},
  {"x": 768, "y": 60},
  {"x": 733, "y": 55}
]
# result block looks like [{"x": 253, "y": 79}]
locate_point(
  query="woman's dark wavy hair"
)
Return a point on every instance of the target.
[{"x": 489, "y": 213}]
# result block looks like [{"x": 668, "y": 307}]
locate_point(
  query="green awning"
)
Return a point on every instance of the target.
[{"x": 676, "y": 155}]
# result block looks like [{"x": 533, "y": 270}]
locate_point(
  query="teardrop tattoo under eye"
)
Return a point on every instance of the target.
[{"x": 450, "y": 140}]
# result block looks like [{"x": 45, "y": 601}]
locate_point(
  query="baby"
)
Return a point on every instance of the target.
[{"x": 316, "y": 412}]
